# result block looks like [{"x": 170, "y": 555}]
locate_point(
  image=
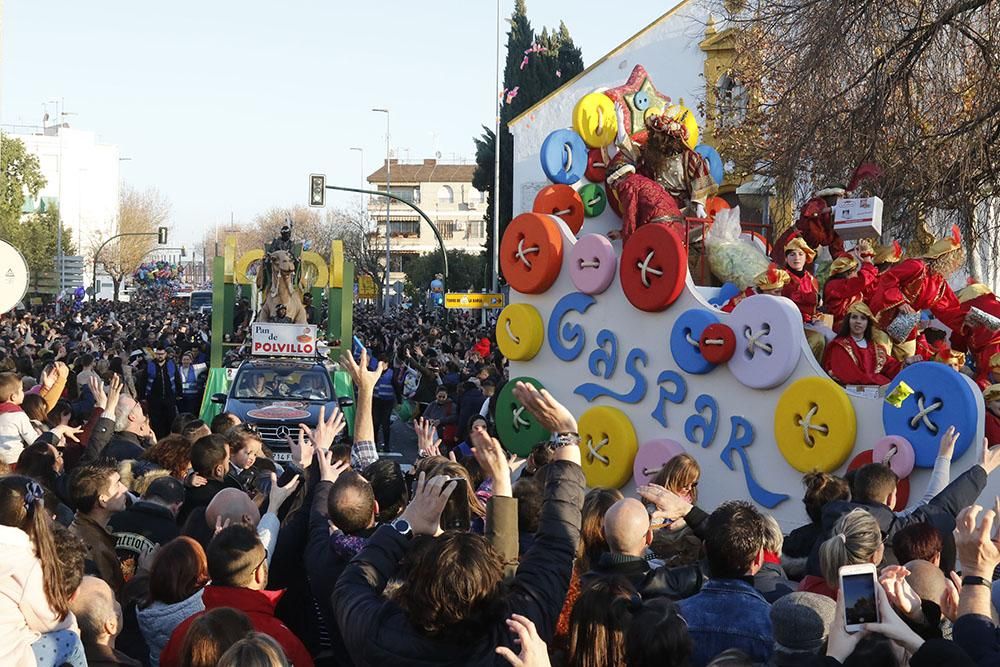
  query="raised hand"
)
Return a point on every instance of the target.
[
  {"x": 550, "y": 413},
  {"x": 330, "y": 470},
  {"x": 899, "y": 592},
  {"x": 97, "y": 391},
  {"x": 534, "y": 652},
  {"x": 989, "y": 458},
  {"x": 947, "y": 447},
  {"x": 424, "y": 511},
  {"x": 326, "y": 430},
  {"x": 950, "y": 596},
  {"x": 428, "y": 444},
  {"x": 363, "y": 378},
  {"x": 302, "y": 449},
  {"x": 114, "y": 394},
  {"x": 976, "y": 550},
  {"x": 668, "y": 504},
  {"x": 279, "y": 494},
  {"x": 492, "y": 460}
]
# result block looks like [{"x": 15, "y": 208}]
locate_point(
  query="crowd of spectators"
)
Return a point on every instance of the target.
[{"x": 134, "y": 533}]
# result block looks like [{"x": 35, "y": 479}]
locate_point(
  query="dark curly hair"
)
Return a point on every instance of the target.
[
  {"x": 453, "y": 587},
  {"x": 173, "y": 454}
]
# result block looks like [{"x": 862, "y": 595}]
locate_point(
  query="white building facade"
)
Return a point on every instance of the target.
[{"x": 82, "y": 175}]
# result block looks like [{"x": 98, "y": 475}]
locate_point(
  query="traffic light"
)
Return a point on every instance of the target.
[
  {"x": 184, "y": 251},
  {"x": 317, "y": 189},
  {"x": 161, "y": 236}
]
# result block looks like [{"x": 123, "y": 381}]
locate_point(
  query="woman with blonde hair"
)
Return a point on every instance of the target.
[
  {"x": 256, "y": 650},
  {"x": 675, "y": 543},
  {"x": 856, "y": 539}
]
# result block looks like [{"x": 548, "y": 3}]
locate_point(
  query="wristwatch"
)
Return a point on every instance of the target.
[
  {"x": 403, "y": 527},
  {"x": 972, "y": 580},
  {"x": 565, "y": 439}
]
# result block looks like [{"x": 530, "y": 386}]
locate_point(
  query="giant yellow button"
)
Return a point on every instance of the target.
[
  {"x": 681, "y": 113},
  {"x": 815, "y": 425},
  {"x": 607, "y": 447},
  {"x": 520, "y": 332},
  {"x": 594, "y": 119}
]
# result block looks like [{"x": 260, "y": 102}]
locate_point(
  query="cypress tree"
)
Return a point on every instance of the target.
[{"x": 545, "y": 70}]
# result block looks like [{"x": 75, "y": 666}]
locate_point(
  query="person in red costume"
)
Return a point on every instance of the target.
[
  {"x": 886, "y": 256},
  {"x": 950, "y": 357},
  {"x": 917, "y": 284},
  {"x": 979, "y": 334},
  {"x": 661, "y": 181},
  {"x": 853, "y": 357},
  {"x": 770, "y": 281},
  {"x": 849, "y": 281},
  {"x": 802, "y": 287},
  {"x": 815, "y": 223},
  {"x": 991, "y": 396}
]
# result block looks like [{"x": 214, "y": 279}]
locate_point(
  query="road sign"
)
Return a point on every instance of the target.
[
  {"x": 460, "y": 300},
  {"x": 366, "y": 287}
]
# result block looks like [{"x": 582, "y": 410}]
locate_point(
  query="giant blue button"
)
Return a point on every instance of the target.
[
  {"x": 684, "y": 341},
  {"x": 941, "y": 398},
  {"x": 564, "y": 157}
]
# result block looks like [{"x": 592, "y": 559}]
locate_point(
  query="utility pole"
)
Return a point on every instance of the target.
[
  {"x": 388, "y": 182},
  {"x": 495, "y": 249}
]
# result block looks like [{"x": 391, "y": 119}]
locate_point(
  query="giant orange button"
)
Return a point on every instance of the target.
[
  {"x": 561, "y": 201},
  {"x": 653, "y": 267},
  {"x": 531, "y": 253}
]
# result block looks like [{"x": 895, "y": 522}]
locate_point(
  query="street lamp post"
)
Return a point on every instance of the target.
[
  {"x": 362, "y": 152},
  {"x": 495, "y": 249},
  {"x": 388, "y": 180}
]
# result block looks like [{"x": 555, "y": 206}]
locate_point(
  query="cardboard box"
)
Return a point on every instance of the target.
[{"x": 858, "y": 218}]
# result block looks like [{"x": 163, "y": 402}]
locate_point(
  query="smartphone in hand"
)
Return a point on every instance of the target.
[{"x": 857, "y": 586}]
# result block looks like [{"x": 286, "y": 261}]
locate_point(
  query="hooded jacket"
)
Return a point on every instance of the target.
[{"x": 158, "y": 621}]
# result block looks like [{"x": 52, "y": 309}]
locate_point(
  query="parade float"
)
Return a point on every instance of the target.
[
  {"x": 620, "y": 332},
  {"x": 272, "y": 276}
]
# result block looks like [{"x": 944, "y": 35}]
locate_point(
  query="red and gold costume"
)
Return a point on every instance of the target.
[
  {"x": 980, "y": 341},
  {"x": 843, "y": 290},
  {"x": 802, "y": 287},
  {"x": 927, "y": 350},
  {"x": 771, "y": 280},
  {"x": 849, "y": 363},
  {"x": 913, "y": 282},
  {"x": 815, "y": 224},
  {"x": 643, "y": 194}
]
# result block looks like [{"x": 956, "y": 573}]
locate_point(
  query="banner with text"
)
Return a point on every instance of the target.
[
  {"x": 283, "y": 340},
  {"x": 459, "y": 300}
]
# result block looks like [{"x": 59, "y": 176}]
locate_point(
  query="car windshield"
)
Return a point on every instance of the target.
[
  {"x": 313, "y": 385},
  {"x": 200, "y": 299}
]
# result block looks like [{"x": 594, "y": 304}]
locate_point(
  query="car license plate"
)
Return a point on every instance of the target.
[{"x": 282, "y": 457}]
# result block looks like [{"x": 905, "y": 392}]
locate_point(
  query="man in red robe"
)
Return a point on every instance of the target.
[
  {"x": 975, "y": 336},
  {"x": 815, "y": 223},
  {"x": 853, "y": 357},
  {"x": 849, "y": 281},
  {"x": 919, "y": 284}
]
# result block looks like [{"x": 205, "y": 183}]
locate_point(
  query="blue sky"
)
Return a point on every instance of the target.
[{"x": 227, "y": 106}]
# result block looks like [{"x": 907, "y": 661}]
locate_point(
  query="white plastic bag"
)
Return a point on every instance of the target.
[{"x": 732, "y": 259}]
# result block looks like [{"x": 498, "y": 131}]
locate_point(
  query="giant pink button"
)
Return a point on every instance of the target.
[
  {"x": 902, "y": 460},
  {"x": 651, "y": 458},
  {"x": 592, "y": 263}
]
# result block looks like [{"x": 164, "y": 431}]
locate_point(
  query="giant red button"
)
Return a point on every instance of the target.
[
  {"x": 597, "y": 165},
  {"x": 902, "y": 486},
  {"x": 717, "y": 343},
  {"x": 531, "y": 253},
  {"x": 653, "y": 267},
  {"x": 561, "y": 201}
]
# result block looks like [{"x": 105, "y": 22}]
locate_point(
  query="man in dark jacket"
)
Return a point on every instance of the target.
[
  {"x": 161, "y": 386},
  {"x": 131, "y": 429},
  {"x": 628, "y": 533},
  {"x": 469, "y": 404},
  {"x": 421, "y": 625},
  {"x": 147, "y": 523},
  {"x": 345, "y": 499},
  {"x": 210, "y": 459}
]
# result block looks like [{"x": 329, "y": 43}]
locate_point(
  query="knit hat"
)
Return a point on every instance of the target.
[
  {"x": 889, "y": 254},
  {"x": 799, "y": 243},
  {"x": 843, "y": 264},
  {"x": 801, "y": 622},
  {"x": 772, "y": 279},
  {"x": 482, "y": 348}
]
